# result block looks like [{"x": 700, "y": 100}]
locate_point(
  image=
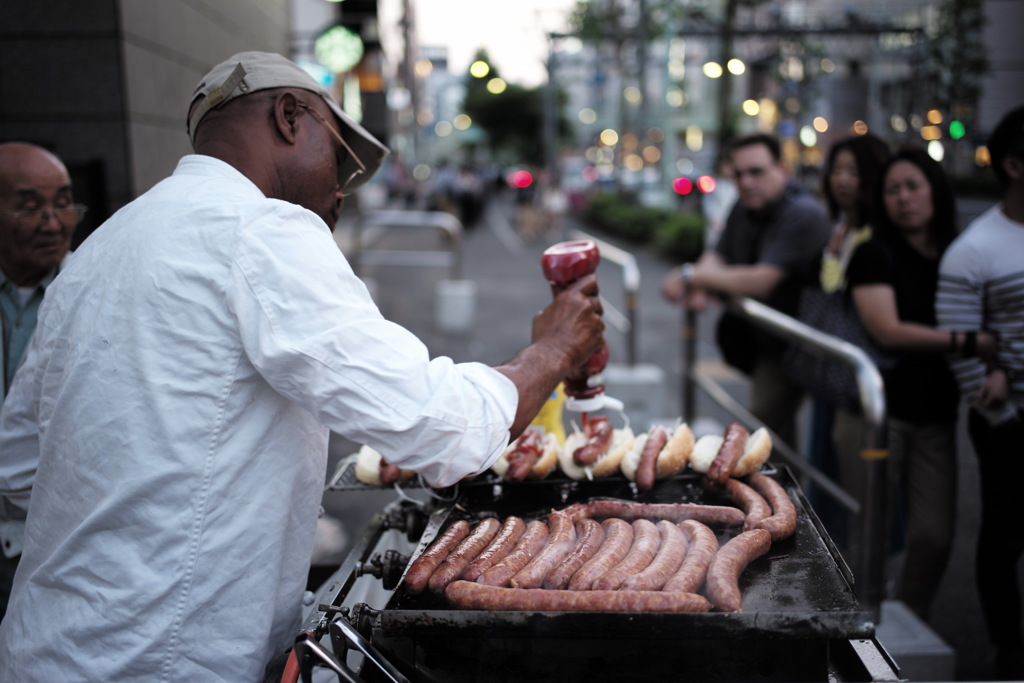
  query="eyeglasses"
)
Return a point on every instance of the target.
[
  {"x": 68, "y": 215},
  {"x": 361, "y": 167},
  {"x": 753, "y": 172}
]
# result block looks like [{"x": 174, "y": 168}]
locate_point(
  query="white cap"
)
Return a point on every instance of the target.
[{"x": 249, "y": 72}]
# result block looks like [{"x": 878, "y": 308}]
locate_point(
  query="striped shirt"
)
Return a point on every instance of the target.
[{"x": 981, "y": 287}]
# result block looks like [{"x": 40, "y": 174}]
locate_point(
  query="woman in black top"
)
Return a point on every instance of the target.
[{"x": 892, "y": 279}]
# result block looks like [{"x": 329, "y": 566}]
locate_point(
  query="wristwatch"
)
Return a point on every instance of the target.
[{"x": 686, "y": 272}]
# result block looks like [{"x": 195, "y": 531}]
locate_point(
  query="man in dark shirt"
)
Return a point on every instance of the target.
[{"x": 774, "y": 233}]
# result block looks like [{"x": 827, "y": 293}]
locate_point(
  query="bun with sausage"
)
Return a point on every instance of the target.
[
  {"x": 531, "y": 456},
  {"x": 658, "y": 454},
  {"x": 597, "y": 451},
  {"x": 372, "y": 469},
  {"x": 755, "y": 452}
]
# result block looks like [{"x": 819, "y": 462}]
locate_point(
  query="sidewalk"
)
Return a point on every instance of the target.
[{"x": 510, "y": 289}]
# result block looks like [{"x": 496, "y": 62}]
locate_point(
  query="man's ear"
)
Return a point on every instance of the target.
[
  {"x": 1014, "y": 167},
  {"x": 286, "y": 111}
]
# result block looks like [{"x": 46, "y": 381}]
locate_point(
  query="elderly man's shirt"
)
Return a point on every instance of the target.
[{"x": 19, "y": 307}]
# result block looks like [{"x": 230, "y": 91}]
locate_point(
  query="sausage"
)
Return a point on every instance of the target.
[
  {"x": 589, "y": 537},
  {"x": 782, "y": 523},
  {"x": 750, "y": 501},
  {"x": 467, "y": 595},
  {"x": 530, "y": 543},
  {"x": 665, "y": 563},
  {"x": 389, "y": 474},
  {"x": 505, "y": 540},
  {"x": 733, "y": 443},
  {"x": 422, "y": 568},
  {"x": 646, "y": 541},
  {"x": 729, "y": 562},
  {"x": 618, "y": 538},
  {"x": 647, "y": 470},
  {"x": 599, "y": 432},
  {"x": 560, "y": 543},
  {"x": 703, "y": 544},
  {"x": 470, "y": 547},
  {"x": 528, "y": 449},
  {"x": 719, "y": 515}
]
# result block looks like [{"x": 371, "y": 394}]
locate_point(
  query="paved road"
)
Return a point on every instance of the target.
[{"x": 509, "y": 289}]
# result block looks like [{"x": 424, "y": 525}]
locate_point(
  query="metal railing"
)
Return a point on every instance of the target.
[
  {"x": 870, "y": 510},
  {"x": 374, "y": 223}
]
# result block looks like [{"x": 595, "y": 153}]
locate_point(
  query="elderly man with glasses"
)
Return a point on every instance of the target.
[
  {"x": 170, "y": 424},
  {"x": 37, "y": 216}
]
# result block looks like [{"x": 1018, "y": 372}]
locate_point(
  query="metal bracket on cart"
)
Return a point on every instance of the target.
[
  {"x": 388, "y": 569},
  {"x": 311, "y": 654}
]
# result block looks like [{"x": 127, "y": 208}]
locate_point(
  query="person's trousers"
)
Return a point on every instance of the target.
[
  {"x": 1000, "y": 452},
  {"x": 921, "y": 500}
]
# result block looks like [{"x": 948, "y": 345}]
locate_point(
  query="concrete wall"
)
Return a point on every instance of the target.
[
  {"x": 106, "y": 83},
  {"x": 1004, "y": 85}
]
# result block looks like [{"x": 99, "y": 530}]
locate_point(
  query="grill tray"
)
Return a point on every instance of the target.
[{"x": 796, "y": 599}]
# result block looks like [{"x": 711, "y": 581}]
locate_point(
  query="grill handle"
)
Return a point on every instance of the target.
[
  {"x": 309, "y": 653},
  {"x": 344, "y": 634}
]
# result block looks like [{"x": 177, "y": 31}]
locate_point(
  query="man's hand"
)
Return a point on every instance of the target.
[
  {"x": 672, "y": 287},
  {"x": 572, "y": 322},
  {"x": 675, "y": 289},
  {"x": 565, "y": 334}
]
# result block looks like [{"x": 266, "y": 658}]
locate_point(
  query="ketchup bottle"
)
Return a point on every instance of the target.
[{"x": 563, "y": 264}]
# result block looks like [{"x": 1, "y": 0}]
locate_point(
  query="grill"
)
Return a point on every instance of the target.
[{"x": 800, "y": 621}]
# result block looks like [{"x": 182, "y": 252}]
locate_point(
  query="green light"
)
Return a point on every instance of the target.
[
  {"x": 956, "y": 130},
  {"x": 338, "y": 48}
]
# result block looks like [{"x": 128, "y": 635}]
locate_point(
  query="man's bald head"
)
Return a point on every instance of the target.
[{"x": 37, "y": 212}]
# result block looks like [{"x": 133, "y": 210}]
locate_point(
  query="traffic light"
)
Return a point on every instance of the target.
[{"x": 957, "y": 129}]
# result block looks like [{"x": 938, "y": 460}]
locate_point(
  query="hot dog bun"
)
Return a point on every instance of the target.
[
  {"x": 607, "y": 464},
  {"x": 755, "y": 453},
  {"x": 676, "y": 453},
  {"x": 544, "y": 464},
  {"x": 368, "y": 467},
  {"x": 672, "y": 458}
]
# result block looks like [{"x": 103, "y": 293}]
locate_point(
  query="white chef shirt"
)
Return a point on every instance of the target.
[{"x": 186, "y": 370}]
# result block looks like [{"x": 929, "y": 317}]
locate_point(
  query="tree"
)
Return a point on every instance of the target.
[
  {"x": 511, "y": 119},
  {"x": 959, "y": 54}
]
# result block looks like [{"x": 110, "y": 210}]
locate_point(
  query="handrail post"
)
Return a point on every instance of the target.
[
  {"x": 870, "y": 576},
  {"x": 874, "y": 504},
  {"x": 689, "y": 334}
]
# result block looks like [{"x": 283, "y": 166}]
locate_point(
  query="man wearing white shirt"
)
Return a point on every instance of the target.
[{"x": 169, "y": 433}]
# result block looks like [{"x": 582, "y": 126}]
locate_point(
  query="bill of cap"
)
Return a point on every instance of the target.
[{"x": 249, "y": 72}]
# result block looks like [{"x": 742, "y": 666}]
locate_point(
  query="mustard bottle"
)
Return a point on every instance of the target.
[{"x": 550, "y": 416}]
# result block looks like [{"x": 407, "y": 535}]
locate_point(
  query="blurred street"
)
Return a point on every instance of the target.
[{"x": 509, "y": 289}]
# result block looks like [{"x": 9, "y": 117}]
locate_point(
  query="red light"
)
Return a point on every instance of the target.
[
  {"x": 682, "y": 185},
  {"x": 706, "y": 184},
  {"x": 522, "y": 179}
]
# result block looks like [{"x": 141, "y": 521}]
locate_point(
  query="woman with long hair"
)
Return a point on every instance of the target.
[
  {"x": 893, "y": 279},
  {"x": 852, "y": 171}
]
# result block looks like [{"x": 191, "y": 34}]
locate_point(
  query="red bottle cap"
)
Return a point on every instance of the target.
[{"x": 567, "y": 262}]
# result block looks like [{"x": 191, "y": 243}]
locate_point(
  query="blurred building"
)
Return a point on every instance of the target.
[
  {"x": 106, "y": 85},
  {"x": 810, "y": 71}
]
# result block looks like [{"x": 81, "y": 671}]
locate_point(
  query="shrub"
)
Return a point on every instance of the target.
[
  {"x": 680, "y": 238},
  {"x": 673, "y": 235}
]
